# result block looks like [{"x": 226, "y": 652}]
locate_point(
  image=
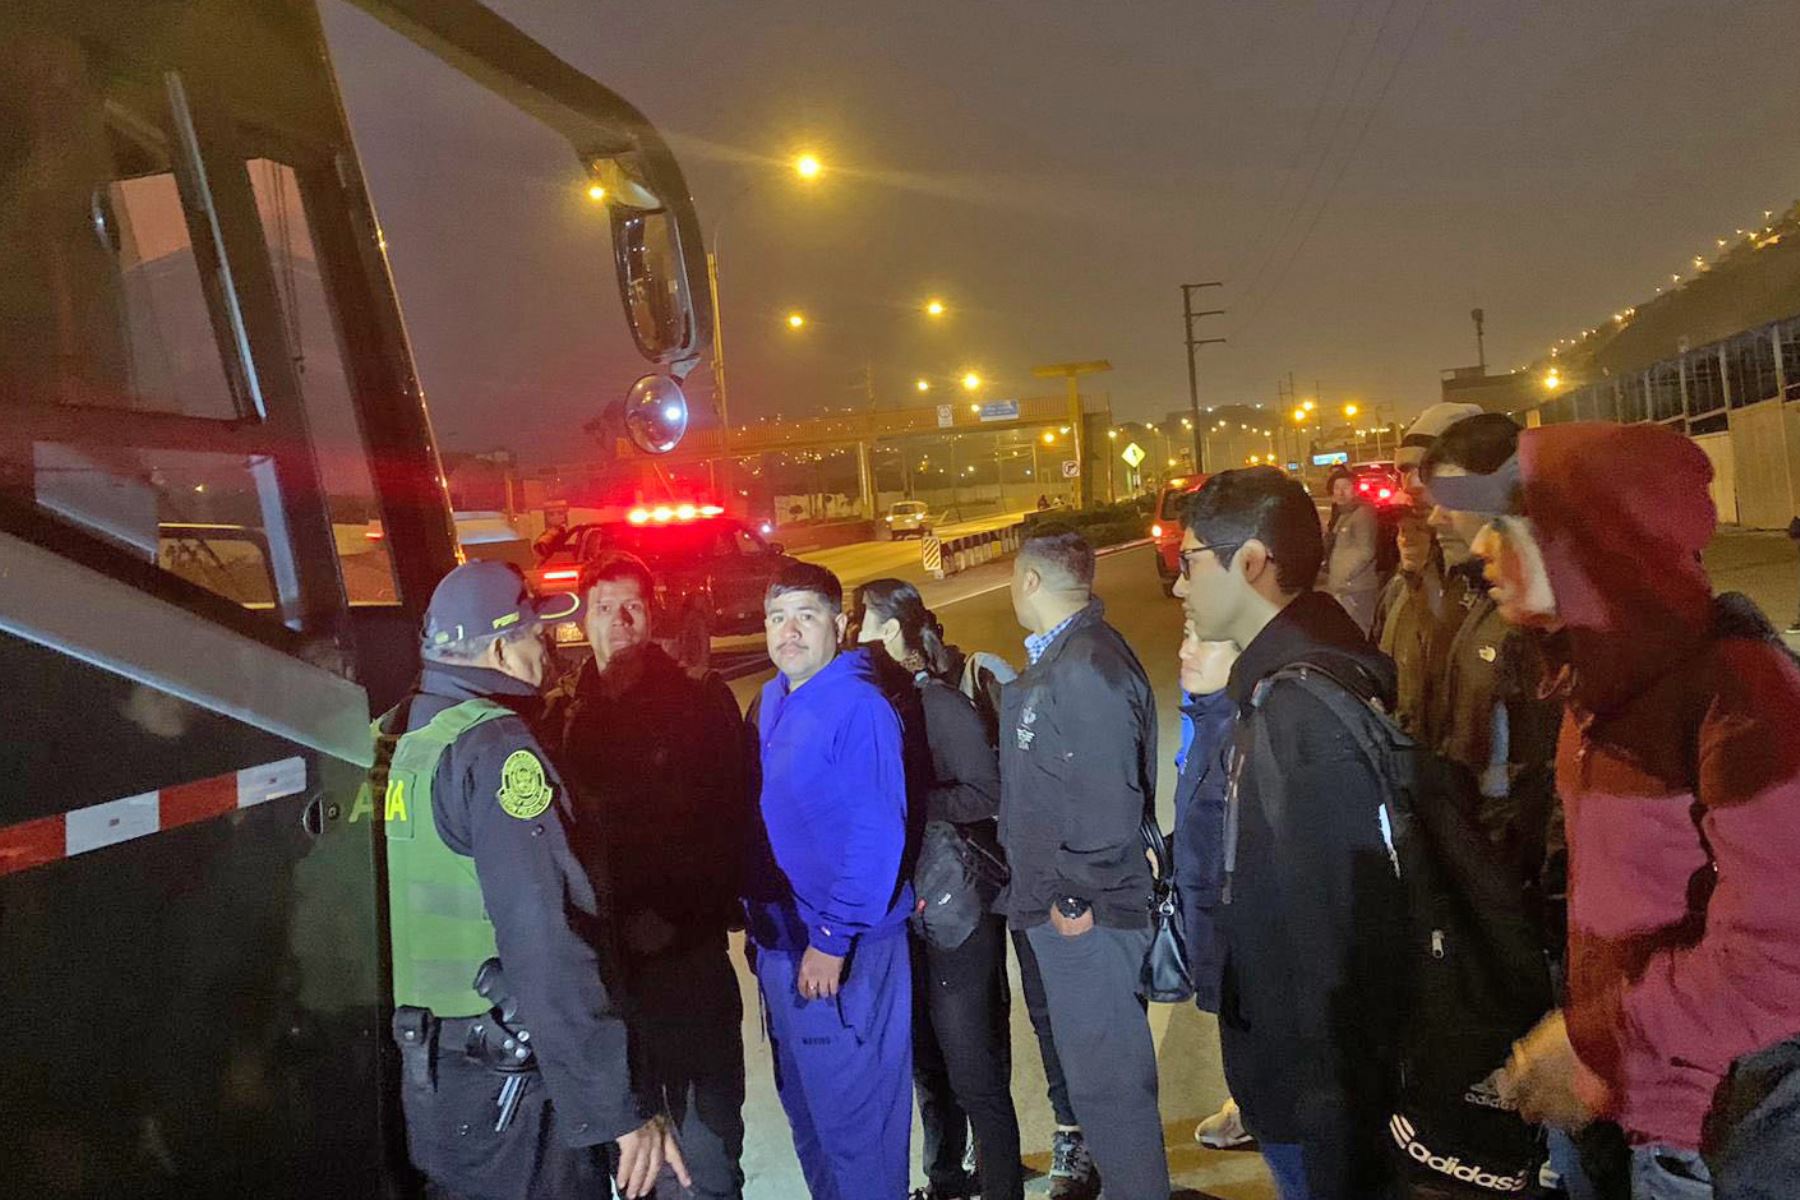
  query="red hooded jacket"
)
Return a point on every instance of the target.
[{"x": 1679, "y": 769}]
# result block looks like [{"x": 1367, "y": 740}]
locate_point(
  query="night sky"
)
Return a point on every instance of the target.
[{"x": 1360, "y": 173}]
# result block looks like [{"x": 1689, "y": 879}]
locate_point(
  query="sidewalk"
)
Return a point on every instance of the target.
[{"x": 1764, "y": 566}]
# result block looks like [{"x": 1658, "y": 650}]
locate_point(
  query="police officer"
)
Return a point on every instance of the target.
[{"x": 516, "y": 1081}]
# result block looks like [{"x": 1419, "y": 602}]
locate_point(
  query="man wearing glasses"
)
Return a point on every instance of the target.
[{"x": 1312, "y": 918}]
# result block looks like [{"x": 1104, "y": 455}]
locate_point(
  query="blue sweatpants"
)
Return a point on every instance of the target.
[{"x": 843, "y": 1069}]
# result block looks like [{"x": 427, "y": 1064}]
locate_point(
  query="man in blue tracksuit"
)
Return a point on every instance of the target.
[{"x": 829, "y": 897}]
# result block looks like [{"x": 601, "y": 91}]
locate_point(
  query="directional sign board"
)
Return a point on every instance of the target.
[
  {"x": 1000, "y": 410},
  {"x": 946, "y": 416},
  {"x": 1133, "y": 455},
  {"x": 1071, "y": 468}
]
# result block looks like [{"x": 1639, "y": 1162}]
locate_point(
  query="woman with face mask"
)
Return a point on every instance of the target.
[{"x": 962, "y": 1067}]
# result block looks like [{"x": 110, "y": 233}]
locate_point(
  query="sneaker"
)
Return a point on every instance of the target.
[
  {"x": 1073, "y": 1175},
  {"x": 1224, "y": 1130}
]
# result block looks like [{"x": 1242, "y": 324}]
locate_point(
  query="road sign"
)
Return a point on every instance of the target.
[
  {"x": 1071, "y": 469},
  {"x": 946, "y": 416},
  {"x": 1133, "y": 455},
  {"x": 1000, "y": 410}
]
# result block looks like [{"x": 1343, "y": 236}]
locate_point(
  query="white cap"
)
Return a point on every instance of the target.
[{"x": 1429, "y": 425}]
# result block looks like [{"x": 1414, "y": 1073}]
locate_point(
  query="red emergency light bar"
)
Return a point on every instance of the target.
[{"x": 662, "y": 514}]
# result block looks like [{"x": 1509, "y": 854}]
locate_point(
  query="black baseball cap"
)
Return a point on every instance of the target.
[{"x": 487, "y": 599}]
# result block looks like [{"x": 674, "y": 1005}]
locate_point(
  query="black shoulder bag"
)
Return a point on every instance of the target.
[{"x": 1166, "y": 977}]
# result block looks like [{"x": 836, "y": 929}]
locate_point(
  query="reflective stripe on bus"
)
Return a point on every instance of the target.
[{"x": 65, "y": 835}]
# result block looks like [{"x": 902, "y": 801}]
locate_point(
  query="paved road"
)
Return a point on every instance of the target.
[
  {"x": 864, "y": 561},
  {"x": 1192, "y": 1085}
]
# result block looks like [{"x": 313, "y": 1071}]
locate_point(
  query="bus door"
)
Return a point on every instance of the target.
[{"x": 189, "y": 915}]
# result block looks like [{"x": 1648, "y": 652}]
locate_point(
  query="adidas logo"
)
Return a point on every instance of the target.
[
  {"x": 1407, "y": 1139},
  {"x": 1486, "y": 1093}
]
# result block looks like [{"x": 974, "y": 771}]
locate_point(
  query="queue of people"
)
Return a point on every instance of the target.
[{"x": 1618, "y": 743}]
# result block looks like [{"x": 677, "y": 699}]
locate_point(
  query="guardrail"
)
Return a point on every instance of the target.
[{"x": 944, "y": 557}]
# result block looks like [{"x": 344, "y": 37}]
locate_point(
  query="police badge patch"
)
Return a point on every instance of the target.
[{"x": 524, "y": 791}]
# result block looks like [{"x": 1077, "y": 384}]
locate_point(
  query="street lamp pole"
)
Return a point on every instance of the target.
[{"x": 1189, "y": 315}]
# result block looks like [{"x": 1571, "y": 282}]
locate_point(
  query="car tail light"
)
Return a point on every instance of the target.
[
  {"x": 1385, "y": 494},
  {"x": 374, "y": 535},
  {"x": 560, "y": 576},
  {"x": 1156, "y": 531},
  {"x": 1363, "y": 486}
]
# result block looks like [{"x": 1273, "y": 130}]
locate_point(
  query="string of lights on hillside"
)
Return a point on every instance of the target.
[{"x": 1742, "y": 241}]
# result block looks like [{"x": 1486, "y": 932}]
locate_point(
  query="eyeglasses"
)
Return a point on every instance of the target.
[{"x": 1187, "y": 565}]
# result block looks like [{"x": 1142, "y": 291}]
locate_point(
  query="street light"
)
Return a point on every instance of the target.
[
  {"x": 796, "y": 320},
  {"x": 1350, "y": 410},
  {"x": 934, "y": 307},
  {"x": 971, "y": 381},
  {"x": 1552, "y": 380},
  {"x": 1299, "y": 416},
  {"x": 808, "y": 166},
  {"x": 1308, "y": 406},
  {"x": 1049, "y": 438},
  {"x": 596, "y": 193},
  {"x": 924, "y": 385}
]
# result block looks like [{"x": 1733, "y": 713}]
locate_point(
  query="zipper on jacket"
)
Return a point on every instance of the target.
[{"x": 1231, "y": 820}]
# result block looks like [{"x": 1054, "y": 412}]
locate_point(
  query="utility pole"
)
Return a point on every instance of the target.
[
  {"x": 1188, "y": 315},
  {"x": 1477, "y": 316}
]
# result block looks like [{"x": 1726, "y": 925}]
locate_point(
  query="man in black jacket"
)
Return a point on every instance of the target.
[
  {"x": 656, "y": 759},
  {"x": 1077, "y": 772},
  {"x": 1313, "y": 916}
]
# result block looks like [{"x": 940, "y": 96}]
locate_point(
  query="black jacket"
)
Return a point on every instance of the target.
[
  {"x": 656, "y": 758},
  {"x": 540, "y": 898},
  {"x": 965, "y": 774},
  {"x": 1077, "y": 770},
  {"x": 1314, "y": 922}
]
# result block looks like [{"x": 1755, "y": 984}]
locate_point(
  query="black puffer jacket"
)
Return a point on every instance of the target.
[{"x": 1314, "y": 920}]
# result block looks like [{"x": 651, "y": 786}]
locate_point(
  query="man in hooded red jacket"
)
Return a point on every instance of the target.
[{"x": 1679, "y": 770}]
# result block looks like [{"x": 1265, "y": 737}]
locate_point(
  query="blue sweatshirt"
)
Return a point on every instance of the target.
[
  {"x": 834, "y": 809},
  {"x": 1207, "y": 725}
]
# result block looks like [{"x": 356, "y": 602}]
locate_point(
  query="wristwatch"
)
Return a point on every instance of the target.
[{"x": 1072, "y": 907}]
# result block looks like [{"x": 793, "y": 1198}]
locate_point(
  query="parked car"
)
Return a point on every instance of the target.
[
  {"x": 1165, "y": 526},
  {"x": 711, "y": 572}
]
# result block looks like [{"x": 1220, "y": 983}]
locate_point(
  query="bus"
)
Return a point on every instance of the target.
[{"x": 206, "y": 397}]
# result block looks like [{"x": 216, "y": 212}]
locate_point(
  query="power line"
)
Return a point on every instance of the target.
[
  {"x": 1300, "y": 205},
  {"x": 1263, "y": 229},
  {"x": 1355, "y": 146}
]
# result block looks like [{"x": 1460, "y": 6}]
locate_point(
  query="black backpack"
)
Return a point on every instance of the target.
[{"x": 1477, "y": 976}]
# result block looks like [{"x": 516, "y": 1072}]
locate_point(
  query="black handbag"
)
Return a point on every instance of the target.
[
  {"x": 959, "y": 873},
  {"x": 1165, "y": 978}
]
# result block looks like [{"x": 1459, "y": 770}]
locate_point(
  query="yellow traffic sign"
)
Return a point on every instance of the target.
[{"x": 1133, "y": 454}]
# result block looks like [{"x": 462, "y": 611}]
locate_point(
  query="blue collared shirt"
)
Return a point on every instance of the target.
[{"x": 1037, "y": 643}]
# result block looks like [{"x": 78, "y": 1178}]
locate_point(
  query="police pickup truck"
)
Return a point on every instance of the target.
[{"x": 711, "y": 573}]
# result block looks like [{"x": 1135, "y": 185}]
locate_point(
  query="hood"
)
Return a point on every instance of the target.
[
  {"x": 1621, "y": 513},
  {"x": 1314, "y": 628}
]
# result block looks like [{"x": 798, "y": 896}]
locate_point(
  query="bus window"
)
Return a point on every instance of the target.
[
  {"x": 309, "y": 320},
  {"x": 136, "y": 430}
]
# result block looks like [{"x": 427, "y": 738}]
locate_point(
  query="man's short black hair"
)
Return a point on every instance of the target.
[
  {"x": 809, "y": 577},
  {"x": 615, "y": 566},
  {"x": 1267, "y": 504},
  {"x": 1479, "y": 445},
  {"x": 1062, "y": 549}
]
